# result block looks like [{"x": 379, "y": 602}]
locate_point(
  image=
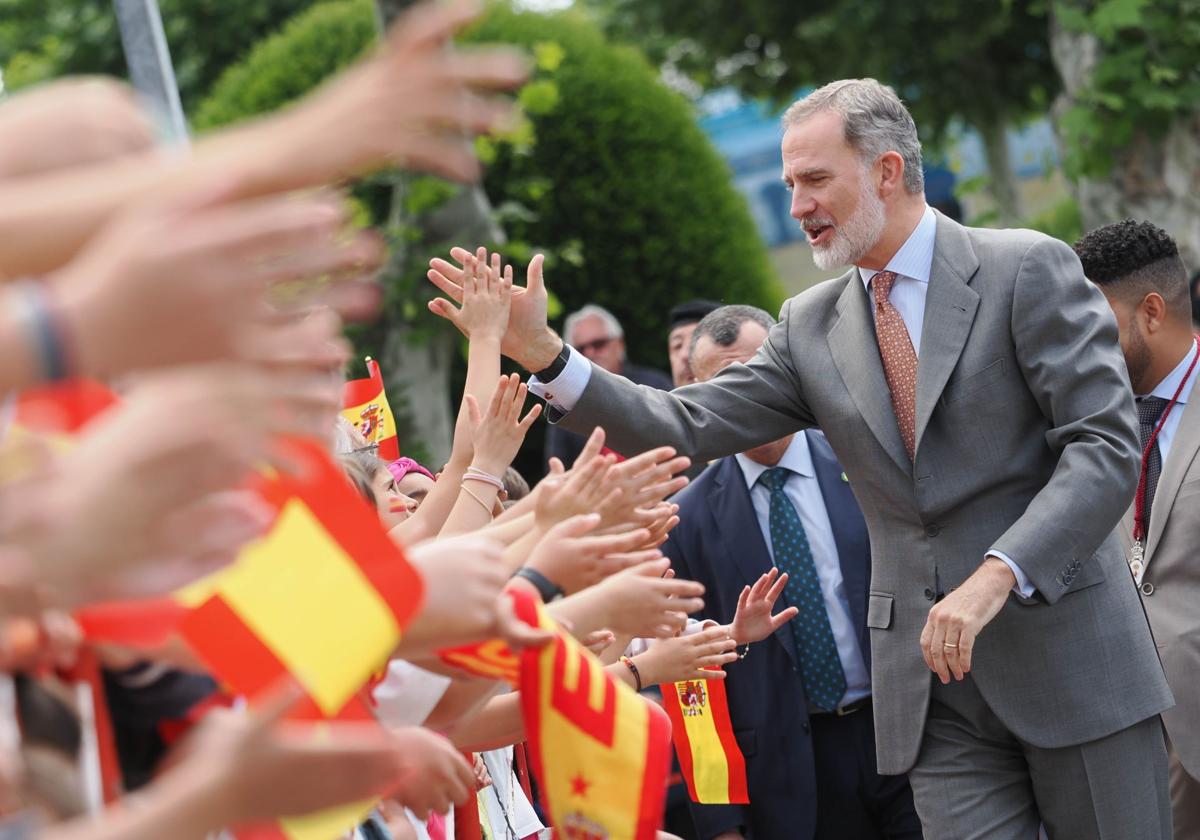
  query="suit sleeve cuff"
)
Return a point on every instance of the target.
[
  {"x": 563, "y": 392},
  {"x": 1024, "y": 586}
]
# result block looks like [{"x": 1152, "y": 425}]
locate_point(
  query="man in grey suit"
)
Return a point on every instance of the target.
[
  {"x": 971, "y": 385},
  {"x": 1137, "y": 266}
]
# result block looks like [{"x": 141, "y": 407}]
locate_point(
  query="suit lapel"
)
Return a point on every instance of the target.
[
  {"x": 849, "y": 533},
  {"x": 855, "y": 352},
  {"x": 950, "y": 306},
  {"x": 1184, "y": 449},
  {"x": 741, "y": 536}
]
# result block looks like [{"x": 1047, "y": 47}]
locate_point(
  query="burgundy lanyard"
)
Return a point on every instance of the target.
[{"x": 1139, "y": 507}]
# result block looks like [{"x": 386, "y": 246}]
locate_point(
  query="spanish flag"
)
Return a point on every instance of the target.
[
  {"x": 364, "y": 403},
  {"x": 324, "y": 596},
  {"x": 712, "y": 764},
  {"x": 600, "y": 751}
]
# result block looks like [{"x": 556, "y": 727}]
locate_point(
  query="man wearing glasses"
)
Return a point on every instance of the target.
[{"x": 598, "y": 336}]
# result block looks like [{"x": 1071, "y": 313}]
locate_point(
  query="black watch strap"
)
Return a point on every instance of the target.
[
  {"x": 552, "y": 371},
  {"x": 547, "y": 588}
]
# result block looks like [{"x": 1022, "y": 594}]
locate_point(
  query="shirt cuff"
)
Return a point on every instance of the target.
[
  {"x": 563, "y": 392},
  {"x": 1024, "y": 586}
]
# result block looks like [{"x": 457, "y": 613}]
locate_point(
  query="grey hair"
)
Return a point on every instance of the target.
[
  {"x": 874, "y": 120},
  {"x": 724, "y": 325},
  {"x": 591, "y": 310}
]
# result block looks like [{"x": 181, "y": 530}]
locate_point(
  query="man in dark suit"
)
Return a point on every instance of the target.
[
  {"x": 597, "y": 334},
  {"x": 811, "y": 773}
]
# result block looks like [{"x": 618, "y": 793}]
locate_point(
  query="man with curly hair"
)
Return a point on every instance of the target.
[{"x": 1137, "y": 266}]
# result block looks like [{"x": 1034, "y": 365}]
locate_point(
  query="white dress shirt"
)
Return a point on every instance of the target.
[
  {"x": 804, "y": 493},
  {"x": 911, "y": 263},
  {"x": 1166, "y": 390}
]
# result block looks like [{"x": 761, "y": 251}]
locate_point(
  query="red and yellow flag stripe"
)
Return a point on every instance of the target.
[
  {"x": 712, "y": 764},
  {"x": 600, "y": 751}
]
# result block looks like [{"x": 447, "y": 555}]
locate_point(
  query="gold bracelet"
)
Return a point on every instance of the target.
[{"x": 482, "y": 503}]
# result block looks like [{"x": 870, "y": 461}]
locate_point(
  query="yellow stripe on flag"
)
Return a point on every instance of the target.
[
  {"x": 711, "y": 777},
  {"x": 293, "y": 574}
]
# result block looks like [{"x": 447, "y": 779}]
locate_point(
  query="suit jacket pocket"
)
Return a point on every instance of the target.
[
  {"x": 879, "y": 610},
  {"x": 747, "y": 741},
  {"x": 957, "y": 389}
]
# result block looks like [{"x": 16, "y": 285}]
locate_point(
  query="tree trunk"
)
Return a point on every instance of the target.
[
  {"x": 1156, "y": 179},
  {"x": 1002, "y": 183},
  {"x": 418, "y": 363}
]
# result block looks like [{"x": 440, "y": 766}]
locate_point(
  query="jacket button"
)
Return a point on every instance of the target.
[
  {"x": 805, "y": 727},
  {"x": 929, "y": 594},
  {"x": 1147, "y": 588},
  {"x": 932, "y": 530}
]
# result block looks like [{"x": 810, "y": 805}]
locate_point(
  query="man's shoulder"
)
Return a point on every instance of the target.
[
  {"x": 990, "y": 243},
  {"x": 819, "y": 301}
]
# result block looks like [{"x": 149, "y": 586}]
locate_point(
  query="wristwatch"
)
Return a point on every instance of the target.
[
  {"x": 548, "y": 589},
  {"x": 552, "y": 371}
]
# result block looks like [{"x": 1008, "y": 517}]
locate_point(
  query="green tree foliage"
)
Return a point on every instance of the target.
[
  {"x": 42, "y": 39},
  {"x": 950, "y": 60},
  {"x": 1147, "y": 76},
  {"x": 620, "y": 184},
  {"x": 987, "y": 65}
]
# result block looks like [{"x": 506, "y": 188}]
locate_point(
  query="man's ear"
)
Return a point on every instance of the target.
[
  {"x": 1154, "y": 311},
  {"x": 891, "y": 173}
]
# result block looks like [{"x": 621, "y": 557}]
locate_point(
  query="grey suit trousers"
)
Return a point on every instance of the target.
[{"x": 975, "y": 780}]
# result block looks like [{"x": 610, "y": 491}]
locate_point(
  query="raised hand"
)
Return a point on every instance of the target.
[
  {"x": 499, "y": 433},
  {"x": 413, "y": 103},
  {"x": 256, "y": 767},
  {"x": 528, "y": 341},
  {"x": 642, "y": 603},
  {"x": 196, "y": 280},
  {"x": 753, "y": 620},
  {"x": 690, "y": 657},
  {"x": 486, "y": 298},
  {"x": 644, "y": 480},
  {"x": 575, "y": 560}
]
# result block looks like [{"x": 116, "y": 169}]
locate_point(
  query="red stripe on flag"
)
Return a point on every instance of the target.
[
  {"x": 718, "y": 704},
  {"x": 145, "y": 623},
  {"x": 658, "y": 765},
  {"x": 679, "y": 736},
  {"x": 230, "y": 649}
]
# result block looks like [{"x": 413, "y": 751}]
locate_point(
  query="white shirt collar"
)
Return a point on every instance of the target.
[
  {"x": 797, "y": 458},
  {"x": 1166, "y": 389},
  {"x": 915, "y": 257}
]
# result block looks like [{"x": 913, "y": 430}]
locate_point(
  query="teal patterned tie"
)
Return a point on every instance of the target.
[{"x": 820, "y": 666}]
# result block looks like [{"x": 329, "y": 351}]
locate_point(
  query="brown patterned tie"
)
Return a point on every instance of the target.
[{"x": 899, "y": 358}]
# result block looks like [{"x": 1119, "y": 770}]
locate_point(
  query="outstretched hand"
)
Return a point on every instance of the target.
[
  {"x": 753, "y": 621},
  {"x": 528, "y": 341}
]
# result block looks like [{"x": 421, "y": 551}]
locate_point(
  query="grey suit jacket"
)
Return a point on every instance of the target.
[
  {"x": 1171, "y": 583},
  {"x": 1026, "y": 444}
]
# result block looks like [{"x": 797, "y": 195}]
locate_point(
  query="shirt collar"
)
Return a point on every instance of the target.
[
  {"x": 1166, "y": 389},
  {"x": 797, "y": 458},
  {"x": 915, "y": 257}
]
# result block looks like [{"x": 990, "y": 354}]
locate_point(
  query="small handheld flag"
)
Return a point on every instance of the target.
[
  {"x": 365, "y": 404},
  {"x": 712, "y": 764}
]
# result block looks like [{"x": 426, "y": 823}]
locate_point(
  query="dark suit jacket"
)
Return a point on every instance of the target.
[
  {"x": 719, "y": 543},
  {"x": 566, "y": 446}
]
